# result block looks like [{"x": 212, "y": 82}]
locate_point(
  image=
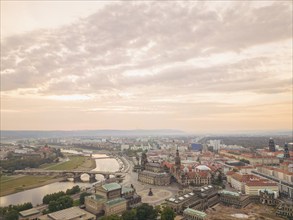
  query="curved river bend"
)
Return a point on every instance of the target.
[{"x": 36, "y": 195}]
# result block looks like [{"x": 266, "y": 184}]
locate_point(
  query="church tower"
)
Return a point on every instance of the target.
[
  {"x": 177, "y": 160},
  {"x": 272, "y": 147},
  {"x": 286, "y": 151},
  {"x": 144, "y": 160}
]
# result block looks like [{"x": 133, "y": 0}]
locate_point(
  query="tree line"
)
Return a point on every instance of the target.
[
  {"x": 144, "y": 212},
  {"x": 11, "y": 212},
  {"x": 60, "y": 200}
]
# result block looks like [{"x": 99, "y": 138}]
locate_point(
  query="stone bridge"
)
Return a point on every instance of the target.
[{"x": 75, "y": 174}]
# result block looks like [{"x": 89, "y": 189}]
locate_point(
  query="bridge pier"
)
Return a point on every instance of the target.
[
  {"x": 92, "y": 178},
  {"x": 107, "y": 176},
  {"x": 77, "y": 178}
]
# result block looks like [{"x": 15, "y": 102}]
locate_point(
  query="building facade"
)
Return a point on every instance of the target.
[
  {"x": 111, "y": 199},
  {"x": 267, "y": 197},
  {"x": 285, "y": 210},
  {"x": 199, "y": 175},
  {"x": 153, "y": 173},
  {"x": 198, "y": 198}
]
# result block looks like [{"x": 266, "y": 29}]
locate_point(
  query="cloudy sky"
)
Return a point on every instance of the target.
[{"x": 205, "y": 66}]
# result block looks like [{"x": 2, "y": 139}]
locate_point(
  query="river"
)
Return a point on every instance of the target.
[{"x": 36, "y": 195}]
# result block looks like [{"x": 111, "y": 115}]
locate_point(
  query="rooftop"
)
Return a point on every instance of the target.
[
  {"x": 260, "y": 183},
  {"x": 97, "y": 197},
  {"x": 181, "y": 198},
  {"x": 267, "y": 190},
  {"x": 153, "y": 164},
  {"x": 111, "y": 186},
  {"x": 192, "y": 212},
  {"x": 115, "y": 201},
  {"x": 203, "y": 167},
  {"x": 70, "y": 213},
  {"x": 29, "y": 212},
  {"x": 226, "y": 192}
]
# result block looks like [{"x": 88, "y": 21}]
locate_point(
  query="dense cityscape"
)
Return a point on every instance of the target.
[
  {"x": 147, "y": 177},
  {"x": 146, "y": 110}
]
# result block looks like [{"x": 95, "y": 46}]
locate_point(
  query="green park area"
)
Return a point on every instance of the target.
[
  {"x": 74, "y": 163},
  {"x": 13, "y": 184}
]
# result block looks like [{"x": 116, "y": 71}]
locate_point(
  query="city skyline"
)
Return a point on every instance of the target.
[{"x": 195, "y": 66}]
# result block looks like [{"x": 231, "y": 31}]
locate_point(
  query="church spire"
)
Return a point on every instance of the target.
[{"x": 177, "y": 159}]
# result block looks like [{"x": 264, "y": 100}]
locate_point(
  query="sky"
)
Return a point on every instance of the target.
[{"x": 195, "y": 66}]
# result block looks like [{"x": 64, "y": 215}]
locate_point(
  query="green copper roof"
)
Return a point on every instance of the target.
[
  {"x": 115, "y": 201},
  {"x": 190, "y": 211},
  {"x": 229, "y": 193},
  {"x": 127, "y": 189},
  {"x": 111, "y": 186},
  {"x": 268, "y": 190},
  {"x": 97, "y": 197}
]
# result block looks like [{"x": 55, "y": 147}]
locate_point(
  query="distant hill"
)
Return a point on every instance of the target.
[{"x": 88, "y": 133}]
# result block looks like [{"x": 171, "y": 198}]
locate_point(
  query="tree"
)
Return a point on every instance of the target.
[
  {"x": 73, "y": 190},
  {"x": 11, "y": 212},
  {"x": 63, "y": 202},
  {"x": 11, "y": 215},
  {"x": 82, "y": 196},
  {"x": 168, "y": 214},
  {"x": 129, "y": 215},
  {"x": 52, "y": 197},
  {"x": 146, "y": 212}
]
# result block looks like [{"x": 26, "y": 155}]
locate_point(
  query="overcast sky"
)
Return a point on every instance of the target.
[{"x": 205, "y": 66}]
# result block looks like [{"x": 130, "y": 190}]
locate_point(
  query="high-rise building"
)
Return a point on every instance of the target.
[
  {"x": 272, "y": 147},
  {"x": 286, "y": 151}
]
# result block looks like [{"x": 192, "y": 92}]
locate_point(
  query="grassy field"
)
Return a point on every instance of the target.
[
  {"x": 74, "y": 163},
  {"x": 13, "y": 184},
  {"x": 6, "y": 178}
]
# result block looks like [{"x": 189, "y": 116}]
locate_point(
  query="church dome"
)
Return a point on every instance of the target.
[
  {"x": 185, "y": 169},
  {"x": 203, "y": 167}
]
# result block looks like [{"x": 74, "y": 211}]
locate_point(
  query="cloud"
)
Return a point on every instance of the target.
[{"x": 156, "y": 57}]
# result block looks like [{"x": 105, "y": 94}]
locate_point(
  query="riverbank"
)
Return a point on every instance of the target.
[{"x": 14, "y": 184}]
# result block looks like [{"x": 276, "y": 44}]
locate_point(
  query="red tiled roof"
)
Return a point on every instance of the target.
[
  {"x": 167, "y": 164},
  {"x": 279, "y": 170},
  {"x": 246, "y": 177},
  {"x": 261, "y": 183},
  {"x": 229, "y": 173}
]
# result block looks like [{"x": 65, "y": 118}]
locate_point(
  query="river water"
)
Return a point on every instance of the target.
[{"x": 36, "y": 195}]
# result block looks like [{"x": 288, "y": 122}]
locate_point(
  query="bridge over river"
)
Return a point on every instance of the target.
[{"x": 75, "y": 174}]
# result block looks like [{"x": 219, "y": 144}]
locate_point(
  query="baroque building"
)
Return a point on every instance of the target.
[
  {"x": 110, "y": 199},
  {"x": 267, "y": 197},
  {"x": 197, "y": 175},
  {"x": 153, "y": 173},
  {"x": 285, "y": 210},
  {"x": 192, "y": 214},
  {"x": 197, "y": 198}
]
